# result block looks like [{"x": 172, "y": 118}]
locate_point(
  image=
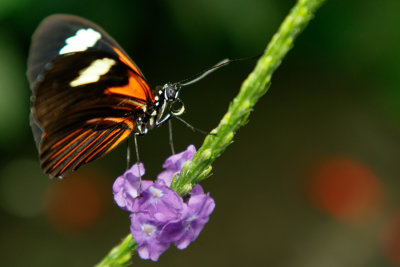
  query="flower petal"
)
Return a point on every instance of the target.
[
  {"x": 126, "y": 186},
  {"x": 145, "y": 230},
  {"x": 174, "y": 164},
  {"x": 163, "y": 203}
]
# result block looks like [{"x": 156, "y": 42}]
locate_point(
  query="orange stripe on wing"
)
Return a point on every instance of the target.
[
  {"x": 88, "y": 146},
  {"x": 103, "y": 144},
  {"x": 67, "y": 146},
  {"x": 65, "y": 138},
  {"x": 70, "y": 152},
  {"x": 124, "y": 135},
  {"x": 82, "y": 151},
  {"x": 135, "y": 88},
  {"x": 127, "y": 61},
  {"x": 148, "y": 92},
  {"x": 120, "y": 139},
  {"x": 115, "y": 120}
]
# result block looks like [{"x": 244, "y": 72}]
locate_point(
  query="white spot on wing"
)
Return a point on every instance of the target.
[
  {"x": 82, "y": 40},
  {"x": 92, "y": 73}
]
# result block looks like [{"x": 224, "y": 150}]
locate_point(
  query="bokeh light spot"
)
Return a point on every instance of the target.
[
  {"x": 345, "y": 189},
  {"x": 22, "y": 187},
  {"x": 14, "y": 92},
  {"x": 77, "y": 202},
  {"x": 391, "y": 240}
]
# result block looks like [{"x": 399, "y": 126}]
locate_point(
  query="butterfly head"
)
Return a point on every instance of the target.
[
  {"x": 169, "y": 103},
  {"x": 174, "y": 104},
  {"x": 171, "y": 91},
  {"x": 166, "y": 105}
]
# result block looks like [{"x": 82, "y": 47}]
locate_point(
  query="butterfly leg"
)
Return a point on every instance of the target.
[
  {"x": 128, "y": 153},
  {"x": 138, "y": 162},
  {"x": 194, "y": 129},
  {"x": 171, "y": 139}
]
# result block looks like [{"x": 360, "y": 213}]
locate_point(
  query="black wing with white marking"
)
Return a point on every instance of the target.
[
  {"x": 86, "y": 93},
  {"x": 62, "y": 34}
]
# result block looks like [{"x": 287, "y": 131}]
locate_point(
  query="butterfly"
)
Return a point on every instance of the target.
[{"x": 88, "y": 96}]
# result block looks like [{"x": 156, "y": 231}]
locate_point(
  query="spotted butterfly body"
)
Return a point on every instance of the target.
[{"x": 88, "y": 96}]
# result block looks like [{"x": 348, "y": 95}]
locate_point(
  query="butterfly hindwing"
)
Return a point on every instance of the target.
[
  {"x": 85, "y": 98},
  {"x": 86, "y": 143}
]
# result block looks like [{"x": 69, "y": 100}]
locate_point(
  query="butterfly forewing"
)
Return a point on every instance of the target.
[
  {"x": 63, "y": 34},
  {"x": 86, "y": 93}
]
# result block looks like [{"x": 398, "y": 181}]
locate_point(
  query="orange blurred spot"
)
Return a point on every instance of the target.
[
  {"x": 77, "y": 202},
  {"x": 391, "y": 240},
  {"x": 346, "y": 189}
]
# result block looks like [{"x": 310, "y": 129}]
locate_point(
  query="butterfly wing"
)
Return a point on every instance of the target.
[
  {"x": 62, "y": 34},
  {"x": 86, "y": 93}
]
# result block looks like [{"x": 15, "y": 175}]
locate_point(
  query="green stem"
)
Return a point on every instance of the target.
[
  {"x": 255, "y": 86},
  {"x": 121, "y": 254}
]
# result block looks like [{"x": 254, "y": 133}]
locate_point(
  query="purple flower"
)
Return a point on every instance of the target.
[
  {"x": 126, "y": 186},
  {"x": 159, "y": 216},
  {"x": 196, "y": 214},
  {"x": 163, "y": 203},
  {"x": 174, "y": 164},
  {"x": 146, "y": 230},
  {"x": 197, "y": 190}
]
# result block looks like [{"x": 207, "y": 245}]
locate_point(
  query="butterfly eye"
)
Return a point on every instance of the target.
[{"x": 177, "y": 108}]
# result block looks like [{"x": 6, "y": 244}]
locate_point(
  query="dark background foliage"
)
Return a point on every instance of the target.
[{"x": 312, "y": 180}]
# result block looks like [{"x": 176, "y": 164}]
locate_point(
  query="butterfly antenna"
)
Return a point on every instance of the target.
[
  {"x": 220, "y": 64},
  {"x": 138, "y": 165},
  {"x": 171, "y": 139}
]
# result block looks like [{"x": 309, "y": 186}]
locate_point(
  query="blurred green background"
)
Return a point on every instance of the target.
[{"x": 312, "y": 180}]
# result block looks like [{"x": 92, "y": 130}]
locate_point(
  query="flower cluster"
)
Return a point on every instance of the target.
[{"x": 159, "y": 216}]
